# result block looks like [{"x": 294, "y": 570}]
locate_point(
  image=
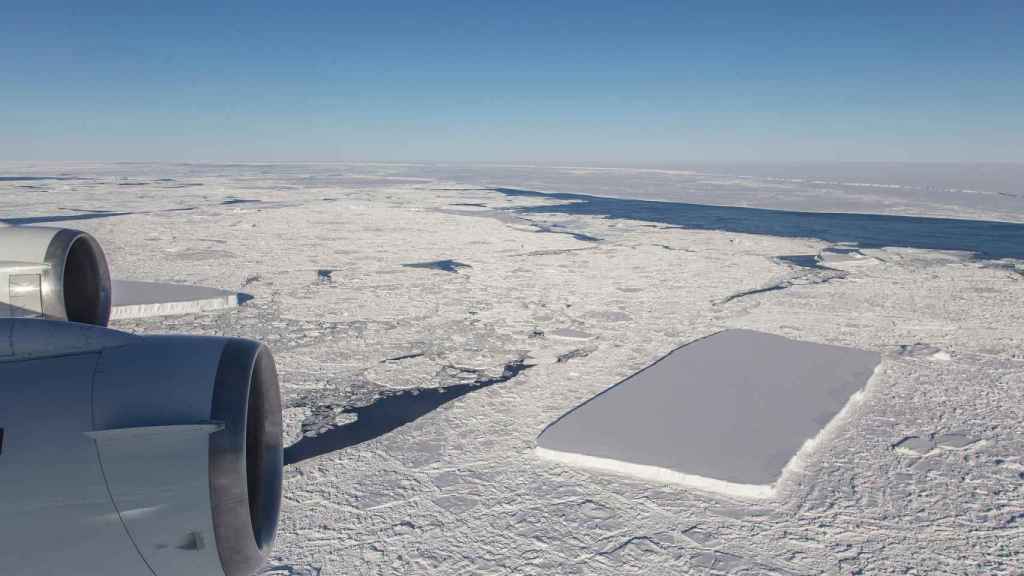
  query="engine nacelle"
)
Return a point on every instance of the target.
[
  {"x": 135, "y": 455},
  {"x": 54, "y": 273}
]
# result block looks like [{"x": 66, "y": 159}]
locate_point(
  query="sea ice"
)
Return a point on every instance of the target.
[{"x": 403, "y": 502}]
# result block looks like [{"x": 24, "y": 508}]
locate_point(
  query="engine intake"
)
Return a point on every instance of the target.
[
  {"x": 129, "y": 454},
  {"x": 246, "y": 458},
  {"x": 54, "y": 273}
]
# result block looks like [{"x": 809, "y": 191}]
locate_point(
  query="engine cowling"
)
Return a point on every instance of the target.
[
  {"x": 124, "y": 454},
  {"x": 54, "y": 273}
]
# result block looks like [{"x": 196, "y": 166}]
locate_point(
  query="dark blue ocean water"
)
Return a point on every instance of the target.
[{"x": 987, "y": 239}]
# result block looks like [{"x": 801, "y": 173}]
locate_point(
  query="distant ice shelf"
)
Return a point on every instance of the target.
[
  {"x": 728, "y": 413},
  {"x": 132, "y": 299}
]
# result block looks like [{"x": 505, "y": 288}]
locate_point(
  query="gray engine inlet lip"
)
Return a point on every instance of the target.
[
  {"x": 244, "y": 524},
  {"x": 57, "y": 252}
]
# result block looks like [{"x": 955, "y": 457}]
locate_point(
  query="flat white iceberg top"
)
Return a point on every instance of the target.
[
  {"x": 730, "y": 409},
  {"x": 133, "y": 299}
]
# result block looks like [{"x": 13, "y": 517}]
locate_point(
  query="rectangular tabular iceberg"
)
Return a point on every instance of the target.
[
  {"x": 131, "y": 299},
  {"x": 727, "y": 412}
]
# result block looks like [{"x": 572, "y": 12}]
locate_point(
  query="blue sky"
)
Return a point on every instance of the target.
[{"x": 607, "y": 82}]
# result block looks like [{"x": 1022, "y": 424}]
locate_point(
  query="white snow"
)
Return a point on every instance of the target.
[
  {"x": 658, "y": 474},
  {"x": 460, "y": 490}
]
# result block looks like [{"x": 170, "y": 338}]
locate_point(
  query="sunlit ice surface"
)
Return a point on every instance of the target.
[{"x": 555, "y": 304}]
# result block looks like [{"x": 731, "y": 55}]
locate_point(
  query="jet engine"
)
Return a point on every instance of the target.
[
  {"x": 124, "y": 455},
  {"x": 53, "y": 273}
]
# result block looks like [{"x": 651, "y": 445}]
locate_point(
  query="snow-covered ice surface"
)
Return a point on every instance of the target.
[
  {"x": 557, "y": 301},
  {"x": 136, "y": 299},
  {"x": 726, "y": 413}
]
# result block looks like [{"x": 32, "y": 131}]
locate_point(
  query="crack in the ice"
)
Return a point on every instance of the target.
[
  {"x": 404, "y": 357},
  {"x": 573, "y": 354},
  {"x": 556, "y": 229},
  {"x": 807, "y": 280},
  {"x": 811, "y": 272},
  {"x": 452, "y": 266}
]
